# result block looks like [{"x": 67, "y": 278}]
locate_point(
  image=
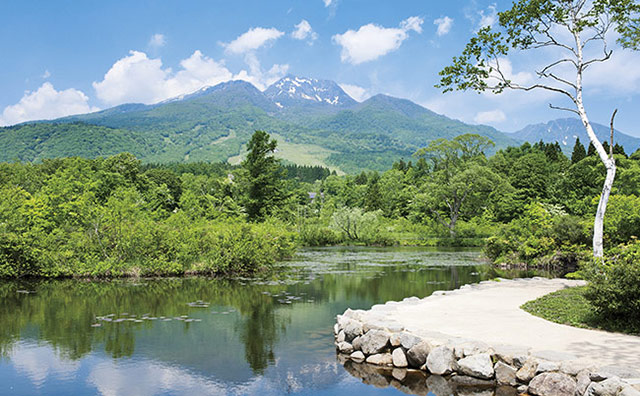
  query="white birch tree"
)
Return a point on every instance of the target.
[{"x": 576, "y": 29}]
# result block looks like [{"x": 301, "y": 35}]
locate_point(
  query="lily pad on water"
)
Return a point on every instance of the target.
[{"x": 198, "y": 304}]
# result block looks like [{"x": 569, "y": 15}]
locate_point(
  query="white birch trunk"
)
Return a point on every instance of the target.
[{"x": 609, "y": 162}]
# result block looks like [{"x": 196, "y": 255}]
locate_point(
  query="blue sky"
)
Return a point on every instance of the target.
[{"x": 65, "y": 57}]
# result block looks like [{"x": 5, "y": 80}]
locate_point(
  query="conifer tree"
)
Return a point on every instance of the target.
[
  {"x": 579, "y": 153},
  {"x": 265, "y": 176},
  {"x": 618, "y": 149}
]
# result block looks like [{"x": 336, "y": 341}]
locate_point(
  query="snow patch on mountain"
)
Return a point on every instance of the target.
[{"x": 291, "y": 91}]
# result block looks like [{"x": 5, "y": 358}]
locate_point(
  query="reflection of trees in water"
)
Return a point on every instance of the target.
[
  {"x": 258, "y": 334},
  {"x": 396, "y": 283},
  {"x": 62, "y": 312}
]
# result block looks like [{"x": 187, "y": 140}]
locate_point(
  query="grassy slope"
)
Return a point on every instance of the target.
[
  {"x": 570, "y": 307},
  {"x": 301, "y": 154}
]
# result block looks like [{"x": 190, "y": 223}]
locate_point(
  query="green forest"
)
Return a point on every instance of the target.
[{"x": 527, "y": 206}]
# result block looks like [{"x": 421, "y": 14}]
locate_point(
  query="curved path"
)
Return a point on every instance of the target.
[{"x": 490, "y": 312}]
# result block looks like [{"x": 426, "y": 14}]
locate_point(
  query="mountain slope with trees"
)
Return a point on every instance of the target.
[
  {"x": 314, "y": 117},
  {"x": 215, "y": 123}
]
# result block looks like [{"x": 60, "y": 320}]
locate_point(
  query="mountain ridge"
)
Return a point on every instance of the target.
[
  {"x": 566, "y": 130},
  {"x": 319, "y": 122}
]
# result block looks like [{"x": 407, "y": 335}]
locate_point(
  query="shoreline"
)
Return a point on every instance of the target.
[{"x": 476, "y": 333}]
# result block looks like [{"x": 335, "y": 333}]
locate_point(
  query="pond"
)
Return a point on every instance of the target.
[{"x": 190, "y": 336}]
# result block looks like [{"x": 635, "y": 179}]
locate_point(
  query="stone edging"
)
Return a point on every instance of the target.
[{"x": 361, "y": 337}]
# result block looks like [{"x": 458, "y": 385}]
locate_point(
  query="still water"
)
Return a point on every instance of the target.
[{"x": 199, "y": 336}]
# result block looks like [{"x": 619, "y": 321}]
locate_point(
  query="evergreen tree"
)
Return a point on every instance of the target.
[
  {"x": 265, "y": 176},
  {"x": 618, "y": 149},
  {"x": 605, "y": 146},
  {"x": 591, "y": 150},
  {"x": 400, "y": 165},
  {"x": 361, "y": 179},
  {"x": 373, "y": 197},
  {"x": 579, "y": 153}
]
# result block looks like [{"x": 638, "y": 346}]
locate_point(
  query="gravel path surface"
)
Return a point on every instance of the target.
[{"x": 490, "y": 312}]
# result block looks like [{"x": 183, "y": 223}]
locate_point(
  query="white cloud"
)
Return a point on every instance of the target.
[
  {"x": 480, "y": 18},
  {"x": 355, "y": 91},
  {"x": 252, "y": 40},
  {"x": 157, "y": 40},
  {"x": 412, "y": 23},
  {"x": 41, "y": 363},
  {"x": 304, "y": 31},
  {"x": 506, "y": 68},
  {"x": 490, "y": 117},
  {"x": 46, "y": 74},
  {"x": 327, "y": 3},
  {"x": 257, "y": 76},
  {"x": 372, "y": 41},
  {"x": 46, "y": 103},
  {"x": 137, "y": 78},
  {"x": 444, "y": 25},
  {"x": 620, "y": 75},
  {"x": 488, "y": 17}
]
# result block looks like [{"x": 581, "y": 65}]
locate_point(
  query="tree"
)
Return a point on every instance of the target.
[
  {"x": 265, "y": 176},
  {"x": 579, "y": 153},
  {"x": 618, "y": 149},
  {"x": 566, "y": 26},
  {"x": 459, "y": 173}
]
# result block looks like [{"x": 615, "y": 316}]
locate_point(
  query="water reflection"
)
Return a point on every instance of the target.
[{"x": 209, "y": 336}]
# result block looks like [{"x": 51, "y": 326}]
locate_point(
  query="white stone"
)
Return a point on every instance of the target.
[
  {"x": 545, "y": 366},
  {"x": 357, "y": 343},
  {"x": 358, "y": 356},
  {"x": 505, "y": 374},
  {"x": 352, "y": 330},
  {"x": 399, "y": 358},
  {"x": 345, "y": 347},
  {"x": 374, "y": 341},
  {"x": 381, "y": 359},
  {"x": 609, "y": 387},
  {"x": 417, "y": 354},
  {"x": 552, "y": 384},
  {"x": 528, "y": 371},
  {"x": 441, "y": 360},
  {"x": 341, "y": 337},
  {"x": 478, "y": 366}
]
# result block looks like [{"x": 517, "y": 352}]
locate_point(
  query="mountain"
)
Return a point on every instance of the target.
[
  {"x": 315, "y": 122},
  {"x": 293, "y": 91},
  {"x": 566, "y": 130}
]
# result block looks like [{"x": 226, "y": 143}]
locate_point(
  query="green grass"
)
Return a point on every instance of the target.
[
  {"x": 300, "y": 154},
  {"x": 571, "y": 307}
]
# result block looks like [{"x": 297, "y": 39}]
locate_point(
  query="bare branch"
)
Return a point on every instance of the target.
[
  {"x": 545, "y": 87},
  {"x": 563, "y": 109},
  {"x": 557, "y": 63},
  {"x": 559, "y": 79},
  {"x": 611, "y": 145},
  {"x": 605, "y": 58},
  {"x": 551, "y": 41}
]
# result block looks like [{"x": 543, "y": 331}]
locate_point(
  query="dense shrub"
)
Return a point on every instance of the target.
[
  {"x": 622, "y": 220},
  {"x": 543, "y": 236},
  {"x": 359, "y": 226},
  {"x": 315, "y": 234},
  {"x": 614, "y": 287},
  {"x": 103, "y": 218}
]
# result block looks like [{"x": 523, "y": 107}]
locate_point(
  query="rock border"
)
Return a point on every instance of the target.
[{"x": 363, "y": 337}]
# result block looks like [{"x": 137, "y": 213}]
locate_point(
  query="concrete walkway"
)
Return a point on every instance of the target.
[{"x": 490, "y": 312}]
